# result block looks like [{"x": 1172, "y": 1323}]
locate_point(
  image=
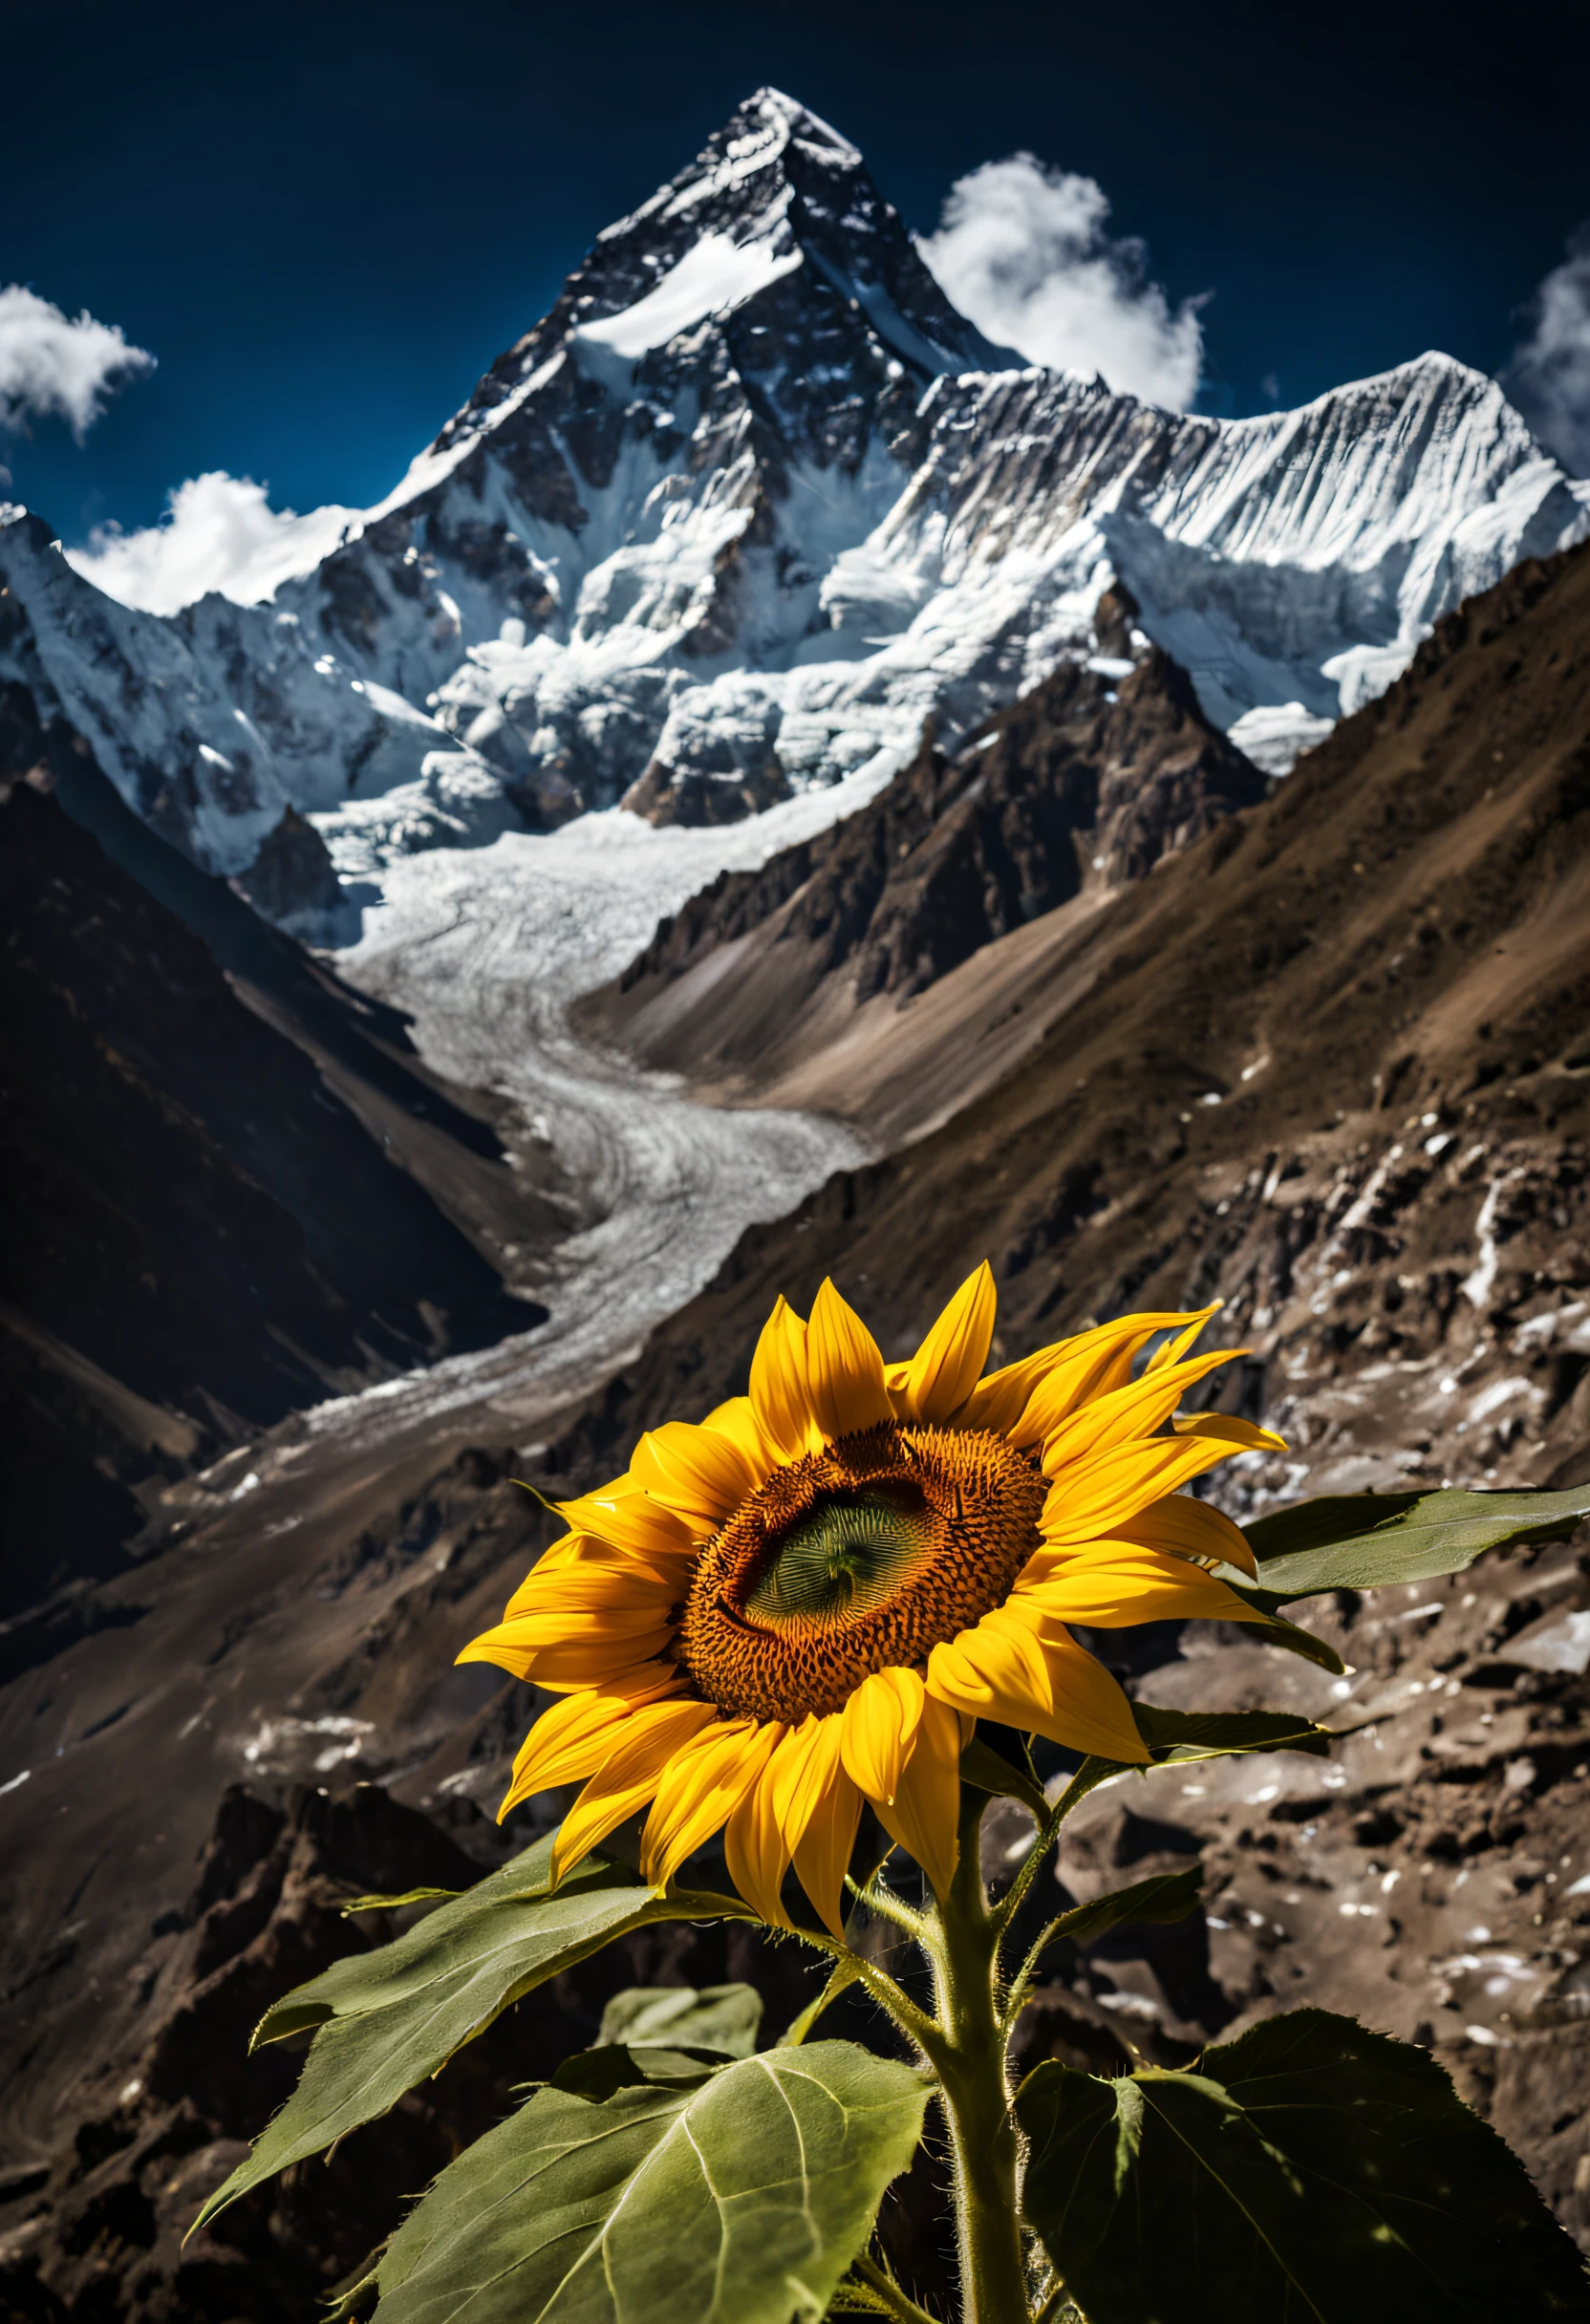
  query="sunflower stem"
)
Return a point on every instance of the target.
[
  {"x": 1016, "y": 1998},
  {"x": 969, "y": 2052},
  {"x": 882, "y": 1901},
  {"x": 891, "y": 2296},
  {"x": 1090, "y": 1774},
  {"x": 915, "y": 2023}
]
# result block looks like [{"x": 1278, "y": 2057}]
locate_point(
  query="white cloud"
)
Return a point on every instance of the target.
[
  {"x": 51, "y": 367},
  {"x": 1022, "y": 249},
  {"x": 1549, "y": 376},
  {"x": 220, "y": 532}
]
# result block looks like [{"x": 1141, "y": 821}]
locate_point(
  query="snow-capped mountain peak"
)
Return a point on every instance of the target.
[
  {"x": 776, "y": 192},
  {"x": 747, "y": 505}
]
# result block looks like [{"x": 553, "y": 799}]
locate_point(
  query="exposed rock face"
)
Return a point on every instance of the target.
[
  {"x": 290, "y": 881},
  {"x": 1088, "y": 781},
  {"x": 663, "y": 795},
  {"x": 212, "y": 1238}
]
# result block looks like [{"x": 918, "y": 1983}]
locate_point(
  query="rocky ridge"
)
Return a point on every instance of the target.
[
  {"x": 749, "y": 505},
  {"x": 1102, "y": 772},
  {"x": 241, "y": 1191}
]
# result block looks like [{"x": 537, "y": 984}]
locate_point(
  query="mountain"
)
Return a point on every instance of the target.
[
  {"x": 1327, "y": 1061},
  {"x": 742, "y": 510},
  {"x": 791, "y": 983},
  {"x": 229, "y": 1198}
]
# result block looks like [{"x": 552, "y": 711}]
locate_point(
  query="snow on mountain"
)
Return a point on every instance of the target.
[{"x": 750, "y": 502}]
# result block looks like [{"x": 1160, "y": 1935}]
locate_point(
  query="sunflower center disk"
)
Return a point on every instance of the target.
[{"x": 857, "y": 1559}]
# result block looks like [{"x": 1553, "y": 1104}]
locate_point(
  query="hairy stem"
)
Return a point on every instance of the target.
[
  {"x": 1090, "y": 1774},
  {"x": 890, "y": 1997},
  {"x": 969, "y": 2052},
  {"x": 890, "y": 2297}
]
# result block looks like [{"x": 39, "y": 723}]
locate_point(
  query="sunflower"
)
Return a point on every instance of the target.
[{"x": 805, "y": 1602}]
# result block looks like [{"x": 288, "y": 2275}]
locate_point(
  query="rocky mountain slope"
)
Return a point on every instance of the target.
[
  {"x": 1327, "y": 1062},
  {"x": 749, "y": 503},
  {"x": 220, "y": 1212},
  {"x": 1233, "y": 1099},
  {"x": 797, "y": 975}
]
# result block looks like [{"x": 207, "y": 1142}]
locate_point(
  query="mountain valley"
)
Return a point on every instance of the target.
[{"x": 783, "y": 788}]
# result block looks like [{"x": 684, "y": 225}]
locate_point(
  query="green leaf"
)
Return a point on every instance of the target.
[
  {"x": 1175, "y": 1736},
  {"x": 1359, "y": 1540},
  {"x": 391, "y": 1903},
  {"x": 1274, "y": 1630},
  {"x": 988, "y": 1769},
  {"x": 740, "y": 2200},
  {"x": 1170, "y": 1896},
  {"x": 596, "y": 2073},
  {"x": 387, "y": 2018},
  {"x": 718, "y": 2018},
  {"x": 1310, "y": 2172}
]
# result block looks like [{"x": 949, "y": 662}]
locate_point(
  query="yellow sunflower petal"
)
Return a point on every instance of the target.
[
  {"x": 574, "y": 1549},
  {"x": 699, "y": 1790},
  {"x": 999, "y": 1670},
  {"x": 595, "y": 1655},
  {"x": 1108, "y": 1585},
  {"x": 1189, "y": 1529},
  {"x": 737, "y": 1420},
  {"x": 845, "y": 1380},
  {"x": 944, "y": 1370},
  {"x": 997, "y": 1404},
  {"x": 623, "y": 1570},
  {"x": 878, "y": 1730},
  {"x": 566, "y": 1626},
  {"x": 623, "y": 1515},
  {"x": 754, "y": 1844},
  {"x": 626, "y": 1778},
  {"x": 1095, "y": 1364},
  {"x": 699, "y": 1474},
  {"x": 616, "y": 1584},
  {"x": 778, "y": 1396},
  {"x": 571, "y": 1738},
  {"x": 820, "y": 1817},
  {"x": 1089, "y": 1498},
  {"x": 990, "y": 1676},
  {"x": 1134, "y": 1410},
  {"x": 1172, "y": 1350},
  {"x": 1241, "y": 1436},
  {"x": 924, "y": 1814}
]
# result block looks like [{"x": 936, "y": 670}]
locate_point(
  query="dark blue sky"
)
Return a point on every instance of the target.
[{"x": 326, "y": 220}]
